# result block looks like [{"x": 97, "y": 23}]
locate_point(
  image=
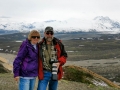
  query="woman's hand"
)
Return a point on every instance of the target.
[{"x": 16, "y": 78}]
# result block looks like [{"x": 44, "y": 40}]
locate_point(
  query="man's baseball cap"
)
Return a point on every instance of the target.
[{"x": 49, "y": 28}]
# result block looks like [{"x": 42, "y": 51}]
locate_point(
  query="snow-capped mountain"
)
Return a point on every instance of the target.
[
  {"x": 106, "y": 24},
  {"x": 98, "y": 24}
]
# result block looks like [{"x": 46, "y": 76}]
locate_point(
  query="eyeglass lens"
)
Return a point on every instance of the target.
[
  {"x": 49, "y": 33},
  {"x": 35, "y": 37}
]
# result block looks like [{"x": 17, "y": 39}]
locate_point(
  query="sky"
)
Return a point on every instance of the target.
[{"x": 42, "y": 10}]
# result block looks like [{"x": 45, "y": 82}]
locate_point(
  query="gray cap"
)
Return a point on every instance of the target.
[{"x": 49, "y": 28}]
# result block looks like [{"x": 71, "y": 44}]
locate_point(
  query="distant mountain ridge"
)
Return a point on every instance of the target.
[{"x": 98, "y": 24}]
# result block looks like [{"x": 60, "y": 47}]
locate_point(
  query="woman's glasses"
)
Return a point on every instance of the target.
[
  {"x": 49, "y": 33},
  {"x": 35, "y": 37}
]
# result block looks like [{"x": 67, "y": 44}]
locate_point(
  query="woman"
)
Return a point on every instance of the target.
[{"x": 25, "y": 65}]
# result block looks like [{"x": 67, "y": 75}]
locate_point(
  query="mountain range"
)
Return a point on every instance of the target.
[{"x": 97, "y": 24}]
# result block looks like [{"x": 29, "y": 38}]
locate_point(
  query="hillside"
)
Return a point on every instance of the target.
[
  {"x": 81, "y": 74},
  {"x": 3, "y": 69},
  {"x": 6, "y": 64},
  {"x": 76, "y": 79},
  {"x": 78, "y": 76}
]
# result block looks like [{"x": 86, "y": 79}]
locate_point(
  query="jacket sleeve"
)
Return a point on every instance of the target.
[
  {"x": 63, "y": 55},
  {"x": 18, "y": 60}
]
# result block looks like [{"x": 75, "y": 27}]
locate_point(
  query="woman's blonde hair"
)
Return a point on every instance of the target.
[{"x": 33, "y": 33}]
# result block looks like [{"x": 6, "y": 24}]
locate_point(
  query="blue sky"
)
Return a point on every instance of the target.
[{"x": 41, "y": 10}]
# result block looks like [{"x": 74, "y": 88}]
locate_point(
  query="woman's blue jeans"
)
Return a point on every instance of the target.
[
  {"x": 52, "y": 84},
  {"x": 26, "y": 84}
]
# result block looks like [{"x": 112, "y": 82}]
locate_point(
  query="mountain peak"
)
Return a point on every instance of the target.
[
  {"x": 103, "y": 19},
  {"x": 48, "y": 21}
]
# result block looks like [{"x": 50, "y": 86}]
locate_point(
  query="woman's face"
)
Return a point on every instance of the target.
[{"x": 35, "y": 39}]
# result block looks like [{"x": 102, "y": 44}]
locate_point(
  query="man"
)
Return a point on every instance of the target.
[{"x": 52, "y": 56}]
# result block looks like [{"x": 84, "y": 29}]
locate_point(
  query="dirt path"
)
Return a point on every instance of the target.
[{"x": 7, "y": 57}]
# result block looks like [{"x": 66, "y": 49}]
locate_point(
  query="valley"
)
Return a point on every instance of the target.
[{"x": 97, "y": 52}]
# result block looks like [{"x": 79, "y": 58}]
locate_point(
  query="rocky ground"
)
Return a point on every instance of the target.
[
  {"x": 7, "y": 83},
  {"x": 108, "y": 68}
]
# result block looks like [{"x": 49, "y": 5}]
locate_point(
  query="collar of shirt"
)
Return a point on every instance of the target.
[{"x": 34, "y": 45}]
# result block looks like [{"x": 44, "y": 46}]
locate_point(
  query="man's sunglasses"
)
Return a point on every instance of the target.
[
  {"x": 49, "y": 33},
  {"x": 35, "y": 37}
]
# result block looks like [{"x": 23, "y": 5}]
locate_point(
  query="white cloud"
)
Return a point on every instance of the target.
[{"x": 39, "y": 10}]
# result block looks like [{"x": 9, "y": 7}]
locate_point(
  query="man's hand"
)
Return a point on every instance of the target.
[{"x": 58, "y": 64}]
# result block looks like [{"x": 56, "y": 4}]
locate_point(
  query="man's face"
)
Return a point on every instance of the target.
[{"x": 49, "y": 36}]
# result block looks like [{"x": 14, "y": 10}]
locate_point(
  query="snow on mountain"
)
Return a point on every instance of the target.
[
  {"x": 106, "y": 24},
  {"x": 99, "y": 24}
]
